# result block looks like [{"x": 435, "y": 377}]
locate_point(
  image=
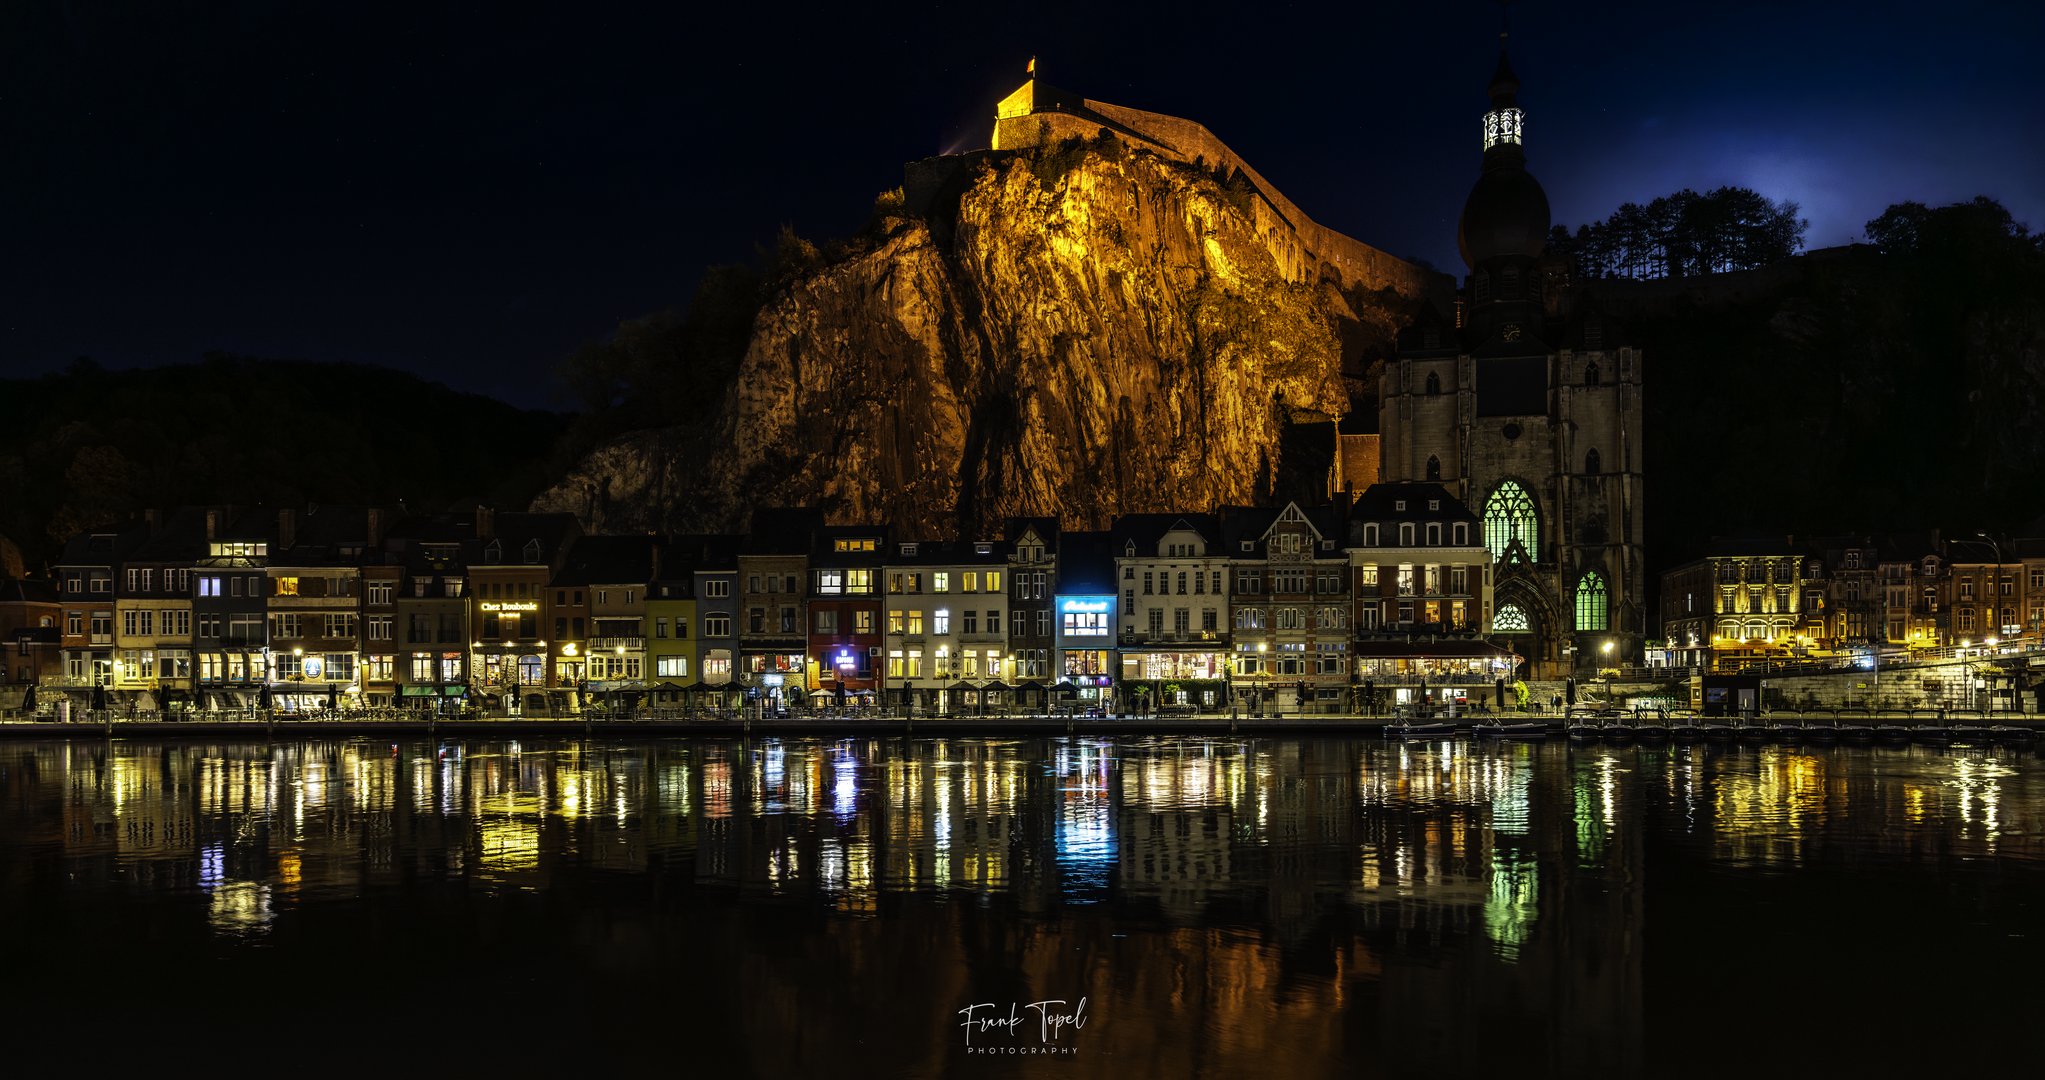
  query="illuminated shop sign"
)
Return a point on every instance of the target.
[
  {"x": 509, "y": 605},
  {"x": 1086, "y": 616}
]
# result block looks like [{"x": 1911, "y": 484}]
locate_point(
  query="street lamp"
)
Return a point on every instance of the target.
[{"x": 617, "y": 666}]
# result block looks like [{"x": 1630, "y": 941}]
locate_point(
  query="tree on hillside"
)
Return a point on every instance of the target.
[
  {"x": 1684, "y": 235},
  {"x": 652, "y": 366}
]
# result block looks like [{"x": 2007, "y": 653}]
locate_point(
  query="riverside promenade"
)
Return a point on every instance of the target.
[{"x": 254, "y": 724}]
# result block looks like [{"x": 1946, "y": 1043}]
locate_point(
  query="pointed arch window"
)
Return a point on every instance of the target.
[
  {"x": 1510, "y": 619},
  {"x": 1590, "y": 462},
  {"x": 1591, "y": 601},
  {"x": 1433, "y": 467},
  {"x": 1509, "y": 520},
  {"x": 1433, "y": 384},
  {"x": 1590, "y": 373}
]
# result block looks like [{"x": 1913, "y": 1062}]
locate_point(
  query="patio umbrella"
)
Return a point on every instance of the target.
[
  {"x": 263, "y": 697},
  {"x": 28, "y": 700},
  {"x": 331, "y": 703},
  {"x": 99, "y": 697}
]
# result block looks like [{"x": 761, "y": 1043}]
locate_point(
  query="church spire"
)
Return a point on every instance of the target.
[{"x": 1503, "y": 124}]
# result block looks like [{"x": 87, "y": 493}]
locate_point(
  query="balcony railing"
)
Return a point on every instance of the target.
[
  {"x": 612, "y": 644},
  {"x": 1173, "y": 637}
]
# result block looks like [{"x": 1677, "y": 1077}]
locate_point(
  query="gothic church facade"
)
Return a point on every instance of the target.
[{"x": 1526, "y": 402}]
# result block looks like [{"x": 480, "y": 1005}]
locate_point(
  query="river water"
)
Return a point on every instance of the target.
[{"x": 1222, "y": 907}]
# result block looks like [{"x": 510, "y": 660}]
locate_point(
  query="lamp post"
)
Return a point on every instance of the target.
[{"x": 617, "y": 665}]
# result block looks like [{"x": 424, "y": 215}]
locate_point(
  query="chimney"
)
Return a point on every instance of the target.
[
  {"x": 212, "y": 525},
  {"x": 486, "y": 522},
  {"x": 287, "y": 529},
  {"x": 375, "y": 538}
]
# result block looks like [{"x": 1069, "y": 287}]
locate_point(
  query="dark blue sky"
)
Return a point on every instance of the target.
[{"x": 468, "y": 191}]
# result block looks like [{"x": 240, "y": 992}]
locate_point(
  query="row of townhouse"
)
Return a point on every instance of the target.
[
  {"x": 1293, "y": 606},
  {"x": 1759, "y": 601}
]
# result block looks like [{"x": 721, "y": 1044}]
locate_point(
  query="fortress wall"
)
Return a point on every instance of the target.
[
  {"x": 1354, "y": 262},
  {"x": 1305, "y": 249}
]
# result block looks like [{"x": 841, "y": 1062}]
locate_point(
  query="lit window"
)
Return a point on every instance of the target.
[
  {"x": 1590, "y": 601},
  {"x": 1509, "y": 519}
]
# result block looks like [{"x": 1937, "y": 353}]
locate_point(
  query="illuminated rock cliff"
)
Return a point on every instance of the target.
[{"x": 1076, "y": 330}]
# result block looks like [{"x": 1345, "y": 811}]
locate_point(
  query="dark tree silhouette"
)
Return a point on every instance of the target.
[{"x": 1683, "y": 235}]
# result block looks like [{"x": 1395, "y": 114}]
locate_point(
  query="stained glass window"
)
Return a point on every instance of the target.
[
  {"x": 1590, "y": 601},
  {"x": 1508, "y": 518},
  {"x": 1510, "y": 618}
]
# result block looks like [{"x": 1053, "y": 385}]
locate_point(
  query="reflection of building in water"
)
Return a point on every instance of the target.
[
  {"x": 1508, "y": 880},
  {"x": 1176, "y": 826},
  {"x": 1787, "y": 806},
  {"x": 128, "y": 812},
  {"x": 1085, "y": 779}
]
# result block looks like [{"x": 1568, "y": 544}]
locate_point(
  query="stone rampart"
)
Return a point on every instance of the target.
[{"x": 1305, "y": 249}]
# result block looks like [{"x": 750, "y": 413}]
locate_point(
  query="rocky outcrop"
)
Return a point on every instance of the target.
[{"x": 1084, "y": 331}]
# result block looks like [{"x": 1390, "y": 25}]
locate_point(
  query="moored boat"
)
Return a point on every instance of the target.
[
  {"x": 1499, "y": 729},
  {"x": 1648, "y": 727}
]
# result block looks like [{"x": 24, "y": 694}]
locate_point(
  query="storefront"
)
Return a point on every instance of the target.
[{"x": 1085, "y": 647}]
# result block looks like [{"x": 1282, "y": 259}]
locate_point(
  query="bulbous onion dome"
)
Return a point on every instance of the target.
[{"x": 1506, "y": 214}]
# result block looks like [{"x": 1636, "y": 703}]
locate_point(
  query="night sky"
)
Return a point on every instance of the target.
[{"x": 469, "y": 191}]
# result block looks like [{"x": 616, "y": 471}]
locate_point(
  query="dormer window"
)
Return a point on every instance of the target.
[
  {"x": 1434, "y": 504},
  {"x": 532, "y": 551},
  {"x": 495, "y": 552},
  {"x": 908, "y": 549},
  {"x": 1399, "y": 504},
  {"x": 1249, "y": 545}
]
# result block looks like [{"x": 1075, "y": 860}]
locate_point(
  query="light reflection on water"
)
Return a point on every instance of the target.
[{"x": 1311, "y": 903}]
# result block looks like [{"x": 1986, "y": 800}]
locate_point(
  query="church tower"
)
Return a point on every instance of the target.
[{"x": 1521, "y": 402}]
